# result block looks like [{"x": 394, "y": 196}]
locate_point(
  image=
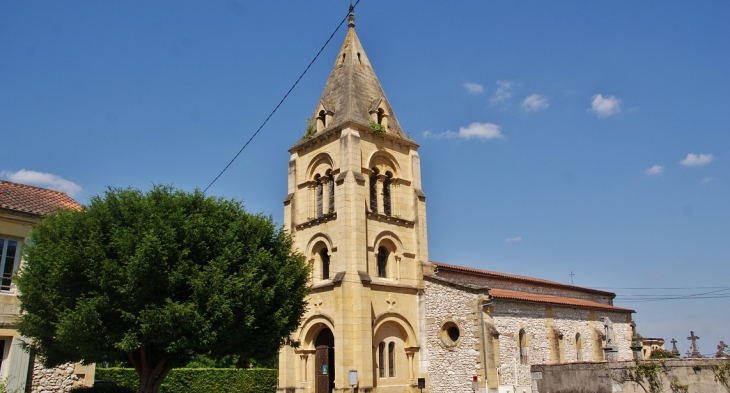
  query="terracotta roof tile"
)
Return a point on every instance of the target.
[
  {"x": 446, "y": 266},
  {"x": 566, "y": 301},
  {"x": 33, "y": 200}
]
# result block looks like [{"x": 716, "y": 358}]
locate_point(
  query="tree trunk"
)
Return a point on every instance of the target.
[{"x": 151, "y": 372}]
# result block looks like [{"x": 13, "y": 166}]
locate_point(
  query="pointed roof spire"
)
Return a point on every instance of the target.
[{"x": 353, "y": 93}]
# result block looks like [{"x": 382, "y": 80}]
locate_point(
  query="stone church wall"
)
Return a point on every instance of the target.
[
  {"x": 451, "y": 367},
  {"x": 541, "y": 322}
]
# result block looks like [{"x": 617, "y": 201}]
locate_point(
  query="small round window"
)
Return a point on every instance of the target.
[{"x": 450, "y": 334}]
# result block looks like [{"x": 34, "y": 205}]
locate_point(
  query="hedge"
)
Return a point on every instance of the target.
[
  {"x": 101, "y": 389},
  {"x": 196, "y": 380}
]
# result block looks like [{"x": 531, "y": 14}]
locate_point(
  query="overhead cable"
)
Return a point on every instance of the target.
[{"x": 352, "y": 8}]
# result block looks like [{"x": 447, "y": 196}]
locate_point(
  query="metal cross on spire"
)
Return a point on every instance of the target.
[
  {"x": 695, "y": 350},
  {"x": 351, "y": 16}
]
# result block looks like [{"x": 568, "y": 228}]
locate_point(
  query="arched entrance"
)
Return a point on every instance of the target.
[{"x": 324, "y": 361}]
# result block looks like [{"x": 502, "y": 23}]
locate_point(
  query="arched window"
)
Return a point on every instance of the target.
[
  {"x": 578, "y": 348},
  {"x": 331, "y": 182},
  {"x": 391, "y": 360},
  {"x": 381, "y": 115},
  {"x": 524, "y": 355},
  {"x": 374, "y": 191},
  {"x": 324, "y": 255},
  {"x": 382, "y": 262},
  {"x": 381, "y": 360},
  {"x": 386, "y": 194},
  {"x": 318, "y": 179},
  {"x": 321, "y": 120}
]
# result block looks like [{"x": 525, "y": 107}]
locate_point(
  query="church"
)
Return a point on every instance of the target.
[{"x": 357, "y": 210}]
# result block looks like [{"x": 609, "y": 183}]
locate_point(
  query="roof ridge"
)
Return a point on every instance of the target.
[
  {"x": 552, "y": 299},
  {"x": 35, "y": 187},
  {"x": 517, "y": 276}
]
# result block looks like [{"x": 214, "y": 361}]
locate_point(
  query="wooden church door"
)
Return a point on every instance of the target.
[
  {"x": 322, "y": 370},
  {"x": 324, "y": 362}
]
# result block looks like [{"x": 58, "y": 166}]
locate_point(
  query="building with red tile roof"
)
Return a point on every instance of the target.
[
  {"x": 21, "y": 207},
  {"x": 33, "y": 200}
]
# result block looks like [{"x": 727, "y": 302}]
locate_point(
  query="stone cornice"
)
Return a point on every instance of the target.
[
  {"x": 390, "y": 219},
  {"x": 316, "y": 221}
]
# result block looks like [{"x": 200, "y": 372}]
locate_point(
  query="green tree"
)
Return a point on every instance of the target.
[{"x": 155, "y": 279}]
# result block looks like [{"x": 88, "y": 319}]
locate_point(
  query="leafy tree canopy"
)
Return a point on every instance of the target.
[{"x": 157, "y": 279}]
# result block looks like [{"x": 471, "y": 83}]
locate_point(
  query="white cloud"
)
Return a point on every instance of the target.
[
  {"x": 513, "y": 239},
  {"x": 655, "y": 170},
  {"x": 482, "y": 131},
  {"x": 697, "y": 159},
  {"x": 707, "y": 179},
  {"x": 605, "y": 106},
  {"x": 45, "y": 180},
  {"x": 535, "y": 103},
  {"x": 502, "y": 95},
  {"x": 473, "y": 88}
]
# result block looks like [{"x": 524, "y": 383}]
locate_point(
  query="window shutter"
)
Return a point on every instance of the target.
[{"x": 17, "y": 365}]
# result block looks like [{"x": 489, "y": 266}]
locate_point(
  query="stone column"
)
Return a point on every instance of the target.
[
  {"x": 410, "y": 353},
  {"x": 304, "y": 357}
]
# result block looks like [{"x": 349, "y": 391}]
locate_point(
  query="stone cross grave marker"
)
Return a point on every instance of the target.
[
  {"x": 675, "y": 351},
  {"x": 695, "y": 350}
]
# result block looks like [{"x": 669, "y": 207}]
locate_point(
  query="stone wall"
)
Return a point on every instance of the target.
[
  {"x": 451, "y": 365},
  {"x": 60, "y": 379},
  {"x": 697, "y": 375},
  {"x": 543, "y": 325}
]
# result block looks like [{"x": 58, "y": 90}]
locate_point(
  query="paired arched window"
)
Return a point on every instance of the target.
[
  {"x": 524, "y": 349},
  {"x": 325, "y": 257},
  {"x": 387, "y": 204},
  {"x": 319, "y": 191},
  {"x": 391, "y": 360},
  {"x": 383, "y": 254}
]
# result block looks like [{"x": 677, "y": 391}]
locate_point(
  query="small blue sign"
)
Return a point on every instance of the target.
[{"x": 324, "y": 369}]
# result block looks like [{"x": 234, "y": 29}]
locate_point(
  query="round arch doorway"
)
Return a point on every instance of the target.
[{"x": 324, "y": 361}]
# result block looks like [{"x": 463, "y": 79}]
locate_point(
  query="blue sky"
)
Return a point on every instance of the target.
[{"x": 556, "y": 137}]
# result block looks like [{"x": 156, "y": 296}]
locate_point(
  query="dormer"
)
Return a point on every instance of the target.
[
  {"x": 323, "y": 116},
  {"x": 378, "y": 113}
]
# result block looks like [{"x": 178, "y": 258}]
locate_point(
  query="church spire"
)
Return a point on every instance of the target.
[
  {"x": 353, "y": 93},
  {"x": 351, "y": 17}
]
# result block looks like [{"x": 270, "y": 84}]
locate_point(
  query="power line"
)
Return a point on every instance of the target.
[
  {"x": 352, "y": 9},
  {"x": 693, "y": 296},
  {"x": 653, "y": 288}
]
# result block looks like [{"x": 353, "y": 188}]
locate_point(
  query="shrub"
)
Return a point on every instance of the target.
[
  {"x": 660, "y": 353},
  {"x": 102, "y": 389},
  {"x": 196, "y": 380},
  {"x": 377, "y": 128}
]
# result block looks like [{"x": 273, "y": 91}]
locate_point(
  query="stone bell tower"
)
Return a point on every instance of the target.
[{"x": 355, "y": 209}]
